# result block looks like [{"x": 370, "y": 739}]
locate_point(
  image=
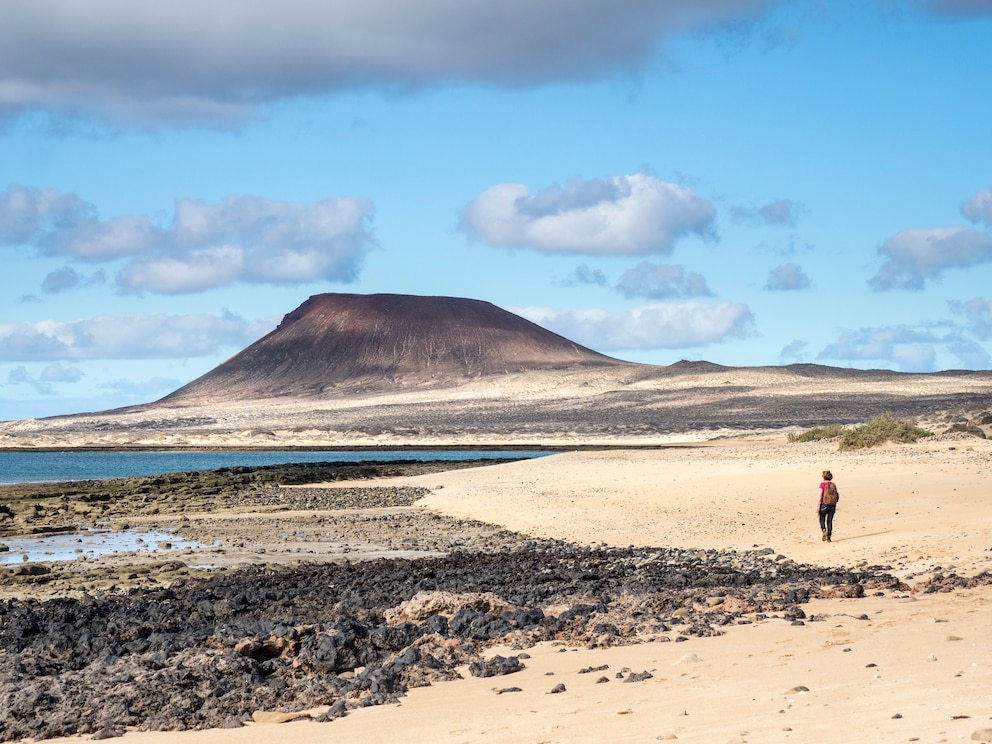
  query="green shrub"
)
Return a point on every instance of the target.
[
  {"x": 817, "y": 433},
  {"x": 881, "y": 429}
]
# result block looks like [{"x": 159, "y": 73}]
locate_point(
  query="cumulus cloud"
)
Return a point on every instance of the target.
[
  {"x": 787, "y": 277},
  {"x": 67, "y": 278},
  {"x": 979, "y": 207},
  {"x": 43, "y": 383},
  {"x": 243, "y": 239},
  {"x": 909, "y": 349},
  {"x": 59, "y": 373},
  {"x": 21, "y": 376},
  {"x": 660, "y": 282},
  {"x": 584, "y": 275},
  {"x": 190, "y": 61},
  {"x": 779, "y": 212},
  {"x": 258, "y": 241},
  {"x": 794, "y": 351},
  {"x": 915, "y": 256},
  {"x": 659, "y": 326},
  {"x": 978, "y": 311},
  {"x": 130, "y": 336},
  {"x": 971, "y": 354},
  {"x": 617, "y": 215},
  {"x": 64, "y": 225}
]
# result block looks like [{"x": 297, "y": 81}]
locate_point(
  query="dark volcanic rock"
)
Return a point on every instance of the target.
[
  {"x": 495, "y": 667},
  {"x": 208, "y": 653},
  {"x": 348, "y": 342}
]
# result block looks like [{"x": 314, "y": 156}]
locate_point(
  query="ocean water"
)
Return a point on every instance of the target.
[{"x": 36, "y": 467}]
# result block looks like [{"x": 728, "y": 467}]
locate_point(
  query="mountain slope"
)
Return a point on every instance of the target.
[{"x": 338, "y": 343}]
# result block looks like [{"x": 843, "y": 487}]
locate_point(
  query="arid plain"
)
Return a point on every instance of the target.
[{"x": 693, "y": 457}]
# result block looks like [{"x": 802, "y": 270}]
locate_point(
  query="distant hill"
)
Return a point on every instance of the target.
[
  {"x": 340, "y": 343},
  {"x": 387, "y": 370}
]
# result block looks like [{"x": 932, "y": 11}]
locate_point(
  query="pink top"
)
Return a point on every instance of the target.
[{"x": 823, "y": 487}]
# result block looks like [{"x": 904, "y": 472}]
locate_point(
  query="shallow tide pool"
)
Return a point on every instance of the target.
[{"x": 89, "y": 543}]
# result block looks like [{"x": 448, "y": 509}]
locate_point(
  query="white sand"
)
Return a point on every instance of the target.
[{"x": 912, "y": 507}]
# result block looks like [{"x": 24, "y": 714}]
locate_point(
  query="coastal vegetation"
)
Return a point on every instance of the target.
[
  {"x": 876, "y": 431},
  {"x": 831, "y": 431}
]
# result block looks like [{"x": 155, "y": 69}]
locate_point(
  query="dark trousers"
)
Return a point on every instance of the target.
[{"x": 827, "y": 517}]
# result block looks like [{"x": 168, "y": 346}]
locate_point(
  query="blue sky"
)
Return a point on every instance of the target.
[{"x": 749, "y": 182}]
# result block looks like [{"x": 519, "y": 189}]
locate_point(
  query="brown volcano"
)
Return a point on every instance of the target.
[{"x": 336, "y": 343}]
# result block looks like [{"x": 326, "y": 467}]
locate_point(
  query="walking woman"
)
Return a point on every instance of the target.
[{"x": 829, "y": 496}]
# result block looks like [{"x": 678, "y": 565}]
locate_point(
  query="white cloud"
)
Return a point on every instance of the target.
[
  {"x": 906, "y": 348},
  {"x": 779, "y": 212},
  {"x": 61, "y": 280},
  {"x": 242, "y": 239},
  {"x": 67, "y": 278},
  {"x": 914, "y": 256},
  {"x": 660, "y": 326},
  {"x": 64, "y": 225},
  {"x": 794, "y": 351},
  {"x": 971, "y": 354},
  {"x": 193, "y": 61},
  {"x": 583, "y": 274},
  {"x": 661, "y": 282},
  {"x": 786, "y": 277},
  {"x": 978, "y": 311},
  {"x": 20, "y": 376},
  {"x": 619, "y": 215},
  {"x": 193, "y": 271},
  {"x": 258, "y": 241},
  {"x": 43, "y": 383},
  {"x": 869, "y": 344},
  {"x": 26, "y": 213},
  {"x": 979, "y": 207},
  {"x": 132, "y": 336},
  {"x": 59, "y": 373}
]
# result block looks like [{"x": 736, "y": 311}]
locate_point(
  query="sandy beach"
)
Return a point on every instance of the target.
[{"x": 893, "y": 666}]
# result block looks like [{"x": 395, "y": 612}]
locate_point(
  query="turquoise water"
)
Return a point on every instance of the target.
[{"x": 34, "y": 467}]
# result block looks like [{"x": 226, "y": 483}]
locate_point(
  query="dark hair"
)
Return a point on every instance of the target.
[{"x": 827, "y": 475}]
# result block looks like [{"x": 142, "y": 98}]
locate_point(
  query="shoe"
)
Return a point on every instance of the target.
[
  {"x": 827, "y": 538},
  {"x": 824, "y": 538}
]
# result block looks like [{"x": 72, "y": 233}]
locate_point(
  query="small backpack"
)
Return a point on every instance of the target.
[{"x": 830, "y": 494}]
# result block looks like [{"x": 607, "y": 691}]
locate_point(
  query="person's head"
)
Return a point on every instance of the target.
[{"x": 827, "y": 475}]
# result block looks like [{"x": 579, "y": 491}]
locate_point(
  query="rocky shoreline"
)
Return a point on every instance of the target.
[
  {"x": 218, "y": 651},
  {"x": 153, "y": 644},
  {"x": 32, "y": 508}
]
